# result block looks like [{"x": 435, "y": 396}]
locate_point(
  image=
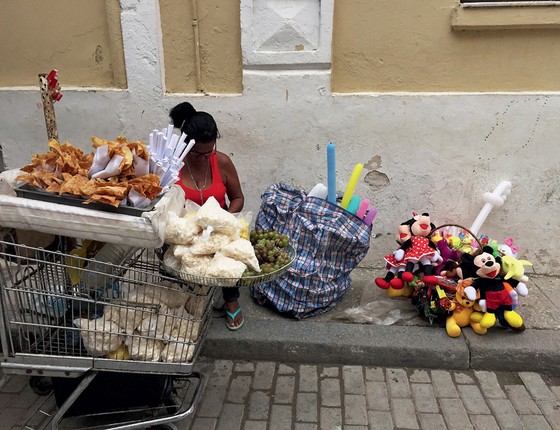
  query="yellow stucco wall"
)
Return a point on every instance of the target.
[
  {"x": 405, "y": 45},
  {"x": 219, "y": 40},
  {"x": 80, "y": 38}
]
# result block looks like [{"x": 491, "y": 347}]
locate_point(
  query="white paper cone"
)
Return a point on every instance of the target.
[
  {"x": 100, "y": 160},
  {"x": 141, "y": 166},
  {"x": 112, "y": 168},
  {"x": 137, "y": 200}
]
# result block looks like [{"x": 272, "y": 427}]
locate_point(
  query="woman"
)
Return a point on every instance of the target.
[{"x": 208, "y": 172}]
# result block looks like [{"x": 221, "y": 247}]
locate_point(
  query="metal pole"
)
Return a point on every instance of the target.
[{"x": 48, "y": 107}]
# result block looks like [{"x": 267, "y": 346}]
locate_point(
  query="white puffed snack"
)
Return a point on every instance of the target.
[
  {"x": 242, "y": 250},
  {"x": 179, "y": 250},
  {"x": 211, "y": 244},
  {"x": 195, "y": 264},
  {"x": 100, "y": 336},
  {"x": 185, "y": 326},
  {"x": 167, "y": 294},
  {"x": 157, "y": 326},
  {"x": 177, "y": 352},
  {"x": 181, "y": 231},
  {"x": 142, "y": 349},
  {"x": 225, "y": 267},
  {"x": 212, "y": 215},
  {"x": 171, "y": 295},
  {"x": 126, "y": 317},
  {"x": 195, "y": 306}
]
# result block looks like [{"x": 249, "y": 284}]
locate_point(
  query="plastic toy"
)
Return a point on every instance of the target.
[{"x": 494, "y": 199}]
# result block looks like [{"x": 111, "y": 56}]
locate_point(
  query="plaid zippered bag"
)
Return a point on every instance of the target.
[{"x": 329, "y": 243}]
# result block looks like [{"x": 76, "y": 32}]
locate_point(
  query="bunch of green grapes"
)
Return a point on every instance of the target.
[
  {"x": 270, "y": 249},
  {"x": 269, "y": 236}
]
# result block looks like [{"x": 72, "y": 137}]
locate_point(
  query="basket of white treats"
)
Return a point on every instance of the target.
[{"x": 212, "y": 247}]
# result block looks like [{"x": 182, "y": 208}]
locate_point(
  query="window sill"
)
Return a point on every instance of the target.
[{"x": 505, "y": 18}]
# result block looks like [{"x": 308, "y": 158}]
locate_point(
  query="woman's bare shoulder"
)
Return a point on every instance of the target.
[{"x": 224, "y": 160}]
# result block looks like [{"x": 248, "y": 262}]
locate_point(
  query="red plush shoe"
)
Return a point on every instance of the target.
[
  {"x": 382, "y": 283},
  {"x": 397, "y": 283},
  {"x": 430, "y": 280},
  {"x": 407, "y": 277}
]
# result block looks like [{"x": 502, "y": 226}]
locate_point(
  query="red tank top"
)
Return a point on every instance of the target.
[{"x": 217, "y": 189}]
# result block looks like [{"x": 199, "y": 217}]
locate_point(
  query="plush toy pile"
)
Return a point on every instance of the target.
[{"x": 451, "y": 275}]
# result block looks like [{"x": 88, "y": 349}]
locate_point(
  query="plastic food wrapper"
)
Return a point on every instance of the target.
[
  {"x": 190, "y": 209},
  {"x": 170, "y": 260},
  {"x": 210, "y": 245},
  {"x": 195, "y": 264},
  {"x": 225, "y": 267},
  {"x": 170, "y": 295},
  {"x": 127, "y": 318},
  {"x": 242, "y": 250},
  {"x": 181, "y": 231},
  {"x": 195, "y": 306},
  {"x": 158, "y": 326},
  {"x": 185, "y": 327},
  {"x": 143, "y": 349},
  {"x": 100, "y": 336},
  {"x": 379, "y": 312},
  {"x": 212, "y": 215},
  {"x": 177, "y": 352}
]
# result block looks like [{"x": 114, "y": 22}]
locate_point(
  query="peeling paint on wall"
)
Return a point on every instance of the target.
[{"x": 373, "y": 177}]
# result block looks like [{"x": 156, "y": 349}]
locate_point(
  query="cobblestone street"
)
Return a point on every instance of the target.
[
  {"x": 242, "y": 395},
  {"x": 272, "y": 396}
]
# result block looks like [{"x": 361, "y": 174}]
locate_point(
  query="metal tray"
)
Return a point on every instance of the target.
[{"x": 28, "y": 191}]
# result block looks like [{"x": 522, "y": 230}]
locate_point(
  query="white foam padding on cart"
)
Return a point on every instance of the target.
[{"x": 146, "y": 231}]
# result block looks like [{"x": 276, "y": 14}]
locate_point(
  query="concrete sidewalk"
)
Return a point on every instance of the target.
[{"x": 411, "y": 341}]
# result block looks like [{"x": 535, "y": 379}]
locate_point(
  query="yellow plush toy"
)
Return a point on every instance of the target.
[{"x": 464, "y": 312}]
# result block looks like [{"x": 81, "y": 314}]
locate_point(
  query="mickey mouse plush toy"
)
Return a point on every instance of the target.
[{"x": 495, "y": 299}]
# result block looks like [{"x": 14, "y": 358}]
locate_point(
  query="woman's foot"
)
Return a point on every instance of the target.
[{"x": 234, "y": 317}]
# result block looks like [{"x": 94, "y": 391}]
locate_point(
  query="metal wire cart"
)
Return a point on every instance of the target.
[{"x": 91, "y": 320}]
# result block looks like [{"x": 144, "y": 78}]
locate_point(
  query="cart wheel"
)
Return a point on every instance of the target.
[{"x": 41, "y": 385}]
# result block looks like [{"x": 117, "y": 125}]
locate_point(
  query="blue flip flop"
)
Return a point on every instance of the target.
[{"x": 232, "y": 316}]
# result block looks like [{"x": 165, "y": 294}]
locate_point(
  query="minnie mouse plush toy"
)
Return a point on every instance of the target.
[{"x": 418, "y": 249}]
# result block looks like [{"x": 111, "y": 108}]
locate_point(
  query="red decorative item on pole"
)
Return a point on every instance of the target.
[{"x": 50, "y": 93}]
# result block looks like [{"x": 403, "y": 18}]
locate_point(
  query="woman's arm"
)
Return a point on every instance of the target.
[{"x": 231, "y": 181}]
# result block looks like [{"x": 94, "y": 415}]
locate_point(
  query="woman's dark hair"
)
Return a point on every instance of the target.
[{"x": 199, "y": 126}]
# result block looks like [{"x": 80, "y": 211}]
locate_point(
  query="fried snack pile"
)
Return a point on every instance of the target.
[{"x": 66, "y": 170}]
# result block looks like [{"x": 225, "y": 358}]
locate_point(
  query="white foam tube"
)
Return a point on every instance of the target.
[
  {"x": 180, "y": 145},
  {"x": 187, "y": 149},
  {"x": 169, "y": 132},
  {"x": 171, "y": 146},
  {"x": 494, "y": 199}
]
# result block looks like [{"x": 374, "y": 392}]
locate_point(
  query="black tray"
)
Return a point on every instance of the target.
[{"x": 28, "y": 191}]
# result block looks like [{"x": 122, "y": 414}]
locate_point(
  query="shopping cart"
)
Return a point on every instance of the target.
[{"x": 64, "y": 315}]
